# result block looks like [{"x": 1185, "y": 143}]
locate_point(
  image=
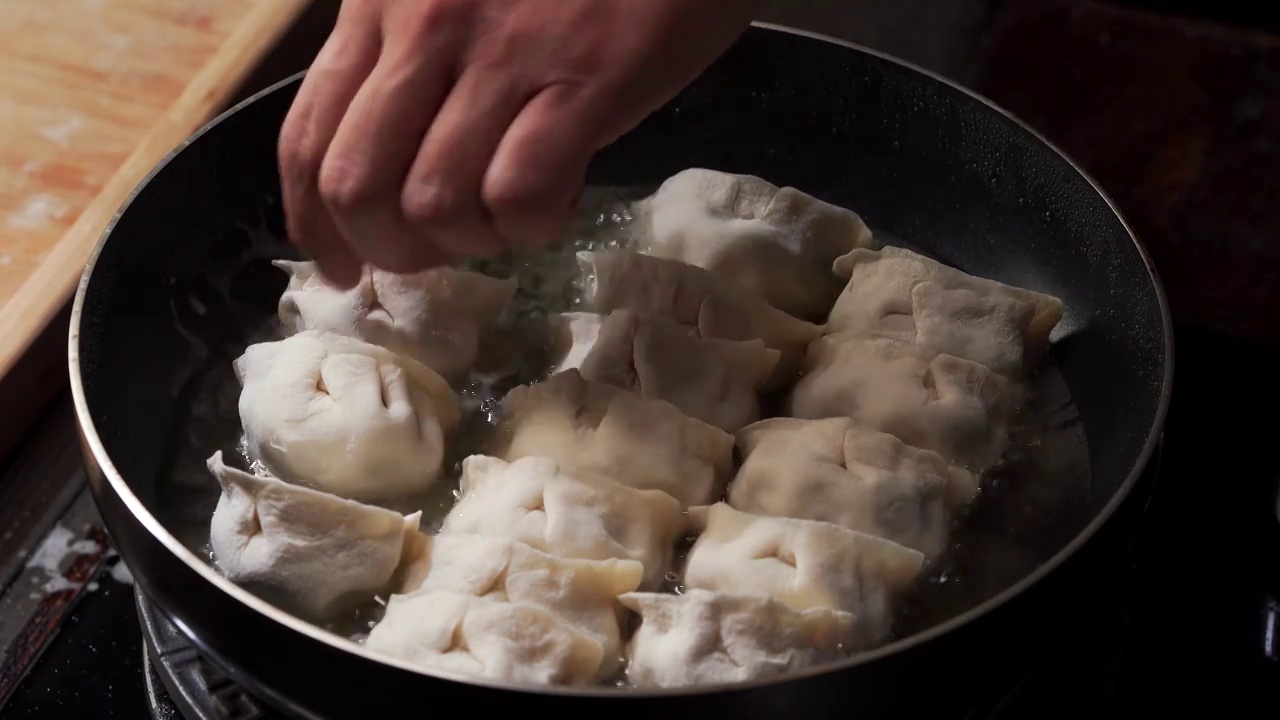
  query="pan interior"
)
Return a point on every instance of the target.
[{"x": 185, "y": 273}]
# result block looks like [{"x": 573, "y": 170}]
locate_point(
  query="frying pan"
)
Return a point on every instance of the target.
[{"x": 183, "y": 270}]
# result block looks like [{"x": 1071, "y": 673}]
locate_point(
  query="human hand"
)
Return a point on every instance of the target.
[{"x": 427, "y": 129}]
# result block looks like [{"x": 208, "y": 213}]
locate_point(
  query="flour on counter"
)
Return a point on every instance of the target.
[
  {"x": 58, "y": 547},
  {"x": 62, "y": 133},
  {"x": 121, "y": 573},
  {"x": 38, "y": 211}
]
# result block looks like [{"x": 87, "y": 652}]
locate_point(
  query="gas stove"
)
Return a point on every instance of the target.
[{"x": 1195, "y": 621}]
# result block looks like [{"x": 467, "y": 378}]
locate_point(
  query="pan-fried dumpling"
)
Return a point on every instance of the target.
[
  {"x": 778, "y": 243},
  {"x": 883, "y": 451},
  {"x": 597, "y": 429},
  {"x": 624, "y": 280},
  {"x": 309, "y": 552},
  {"x": 803, "y": 564},
  {"x": 715, "y": 381},
  {"x": 435, "y": 317},
  {"x": 534, "y": 501},
  {"x": 484, "y": 637},
  {"x": 828, "y": 470},
  {"x": 959, "y": 409},
  {"x": 344, "y": 416},
  {"x": 581, "y": 592},
  {"x": 899, "y": 293},
  {"x": 574, "y": 334},
  {"x": 707, "y": 638}
]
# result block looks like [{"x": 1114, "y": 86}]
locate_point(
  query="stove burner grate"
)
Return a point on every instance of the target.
[{"x": 181, "y": 683}]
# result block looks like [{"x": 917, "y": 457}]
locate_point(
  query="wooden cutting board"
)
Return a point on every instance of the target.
[{"x": 92, "y": 94}]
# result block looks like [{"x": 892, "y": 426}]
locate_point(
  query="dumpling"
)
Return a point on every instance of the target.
[
  {"x": 484, "y": 637},
  {"x": 597, "y": 429},
  {"x": 802, "y": 564},
  {"x": 624, "y": 280},
  {"x": 778, "y": 243},
  {"x": 883, "y": 451},
  {"x": 899, "y": 293},
  {"x": 828, "y": 470},
  {"x": 344, "y": 416},
  {"x": 581, "y": 592},
  {"x": 435, "y": 317},
  {"x": 715, "y": 381},
  {"x": 573, "y": 336},
  {"x": 707, "y": 638},
  {"x": 958, "y": 409},
  {"x": 307, "y": 551},
  {"x": 534, "y": 501}
]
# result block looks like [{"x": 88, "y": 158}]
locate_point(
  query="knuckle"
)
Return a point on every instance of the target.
[
  {"x": 435, "y": 18},
  {"x": 344, "y": 188},
  {"x": 299, "y": 155},
  {"x": 517, "y": 196},
  {"x": 433, "y": 204}
]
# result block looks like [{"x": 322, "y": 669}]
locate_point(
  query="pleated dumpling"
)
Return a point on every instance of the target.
[
  {"x": 902, "y": 294},
  {"x": 959, "y": 409},
  {"x": 309, "y": 552},
  {"x": 435, "y": 317},
  {"x": 690, "y": 295},
  {"x": 582, "y": 593},
  {"x": 777, "y": 243},
  {"x": 344, "y": 416},
  {"x": 534, "y": 501},
  {"x": 485, "y": 637},
  {"x": 573, "y": 336},
  {"x": 715, "y": 381},
  {"x": 803, "y": 564},
  {"x": 831, "y": 471},
  {"x": 707, "y": 638},
  {"x": 597, "y": 429}
]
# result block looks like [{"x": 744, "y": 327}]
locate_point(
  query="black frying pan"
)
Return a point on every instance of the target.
[{"x": 919, "y": 158}]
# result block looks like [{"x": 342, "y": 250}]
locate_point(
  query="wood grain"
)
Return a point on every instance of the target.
[{"x": 92, "y": 94}]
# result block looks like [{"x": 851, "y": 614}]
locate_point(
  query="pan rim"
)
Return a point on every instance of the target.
[{"x": 152, "y": 525}]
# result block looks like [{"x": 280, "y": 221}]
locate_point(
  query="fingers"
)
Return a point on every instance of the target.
[
  {"x": 537, "y": 172},
  {"x": 441, "y": 195},
  {"x": 334, "y": 79},
  {"x": 375, "y": 145}
]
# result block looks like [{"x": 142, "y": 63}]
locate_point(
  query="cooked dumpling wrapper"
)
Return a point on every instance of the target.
[
  {"x": 715, "y": 381},
  {"x": 484, "y": 637},
  {"x": 802, "y": 564},
  {"x": 959, "y": 409},
  {"x": 344, "y": 416},
  {"x": 597, "y": 429},
  {"x": 581, "y": 592},
  {"x": 778, "y": 243},
  {"x": 703, "y": 638},
  {"x": 435, "y": 317},
  {"x": 534, "y": 501},
  {"x": 908, "y": 296},
  {"x": 309, "y": 552},
  {"x": 867, "y": 481},
  {"x": 883, "y": 451},
  {"x": 624, "y": 280},
  {"x": 573, "y": 336}
]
